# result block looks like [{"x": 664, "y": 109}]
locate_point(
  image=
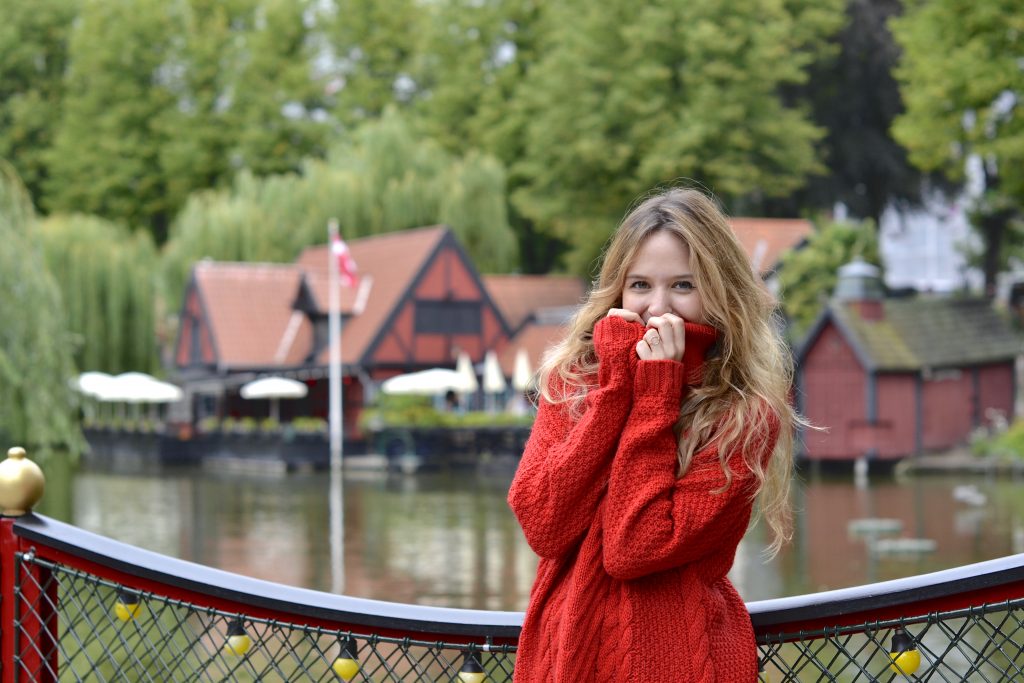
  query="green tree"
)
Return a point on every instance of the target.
[
  {"x": 35, "y": 347},
  {"x": 808, "y": 276},
  {"x": 628, "y": 97},
  {"x": 853, "y": 95},
  {"x": 374, "y": 47},
  {"x": 278, "y": 104},
  {"x": 105, "y": 159},
  {"x": 33, "y": 58},
  {"x": 962, "y": 82},
  {"x": 107, "y": 280},
  {"x": 195, "y": 134},
  {"x": 380, "y": 178}
]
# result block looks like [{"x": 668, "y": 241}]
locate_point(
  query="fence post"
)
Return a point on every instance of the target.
[
  {"x": 8, "y": 547},
  {"x": 28, "y": 593}
]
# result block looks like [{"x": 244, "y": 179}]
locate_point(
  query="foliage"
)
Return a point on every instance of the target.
[
  {"x": 808, "y": 275},
  {"x": 381, "y": 178},
  {"x": 37, "y": 406},
  {"x": 105, "y": 157},
  {"x": 419, "y": 411},
  {"x": 854, "y": 97},
  {"x": 309, "y": 425},
  {"x": 628, "y": 97},
  {"x": 33, "y": 59},
  {"x": 1006, "y": 443},
  {"x": 962, "y": 82},
  {"x": 277, "y": 106},
  {"x": 166, "y": 98},
  {"x": 375, "y": 44},
  {"x": 107, "y": 280}
]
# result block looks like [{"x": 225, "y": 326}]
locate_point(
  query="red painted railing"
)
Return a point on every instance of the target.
[{"x": 59, "y": 587}]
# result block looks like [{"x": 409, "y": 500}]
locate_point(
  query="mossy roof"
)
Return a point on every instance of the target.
[{"x": 929, "y": 333}]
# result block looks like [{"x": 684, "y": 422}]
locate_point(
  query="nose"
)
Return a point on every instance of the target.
[{"x": 659, "y": 303}]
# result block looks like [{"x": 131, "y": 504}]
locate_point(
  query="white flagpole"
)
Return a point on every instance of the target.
[{"x": 337, "y": 498}]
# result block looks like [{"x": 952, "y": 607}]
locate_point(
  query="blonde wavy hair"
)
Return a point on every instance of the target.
[{"x": 748, "y": 377}]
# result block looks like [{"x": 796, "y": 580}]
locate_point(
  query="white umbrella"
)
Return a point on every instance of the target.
[
  {"x": 273, "y": 388},
  {"x": 522, "y": 374},
  {"x": 464, "y": 366},
  {"x": 433, "y": 382},
  {"x": 95, "y": 384},
  {"x": 138, "y": 387},
  {"x": 494, "y": 378}
]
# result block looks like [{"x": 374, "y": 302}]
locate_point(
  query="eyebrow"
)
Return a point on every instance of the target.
[{"x": 637, "y": 276}]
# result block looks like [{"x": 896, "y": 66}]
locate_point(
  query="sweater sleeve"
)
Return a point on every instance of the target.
[
  {"x": 654, "y": 520},
  {"x": 564, "y": 469}
]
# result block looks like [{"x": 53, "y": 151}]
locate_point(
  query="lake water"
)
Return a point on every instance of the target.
[{"x": 451, "y": 540}]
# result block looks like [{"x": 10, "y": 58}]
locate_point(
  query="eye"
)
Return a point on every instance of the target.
[
  {"x": 684, "y": 285},
  {"x": 637, "y": 284}
]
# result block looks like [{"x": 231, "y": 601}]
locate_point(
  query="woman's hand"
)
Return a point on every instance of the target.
[
  {"x": 664, "y": 339},
  {"x": 628, "y": 316}
]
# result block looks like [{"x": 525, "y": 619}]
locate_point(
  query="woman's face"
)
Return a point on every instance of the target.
[{"x": 659, "y": 280}]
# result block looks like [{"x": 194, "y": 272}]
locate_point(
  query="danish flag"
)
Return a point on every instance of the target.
[{"x": 347, "y": 269}]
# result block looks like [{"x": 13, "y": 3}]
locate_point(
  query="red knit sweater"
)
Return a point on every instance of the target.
[{"x": 631, "y": 584}]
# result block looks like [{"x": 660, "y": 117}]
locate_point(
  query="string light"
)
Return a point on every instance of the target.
[
  {"x": 346, "y": 666},
  {"x": 904, "y": 654},
  {"x": 239, "y": 641},
  {"x": 471, "y": 671},
  {"x": 127, "y": 606}
]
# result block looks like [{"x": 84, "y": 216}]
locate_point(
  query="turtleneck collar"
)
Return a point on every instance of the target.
[{"x": 699, "y": 340}]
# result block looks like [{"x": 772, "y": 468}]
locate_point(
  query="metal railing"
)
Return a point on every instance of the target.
[{"x": 75, "y": 606}]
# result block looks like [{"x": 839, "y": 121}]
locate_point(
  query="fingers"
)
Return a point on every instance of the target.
[
  {"x": 643, "y": 350},
  {"x": 665, "y": 337},
  {"x": 628, "y": 316}
]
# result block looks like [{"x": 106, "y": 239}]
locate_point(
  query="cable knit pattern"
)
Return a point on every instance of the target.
[{"x": 631, "y": 584}]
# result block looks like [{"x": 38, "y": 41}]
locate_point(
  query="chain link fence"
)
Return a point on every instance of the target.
[{"x": 72, "y": 625}]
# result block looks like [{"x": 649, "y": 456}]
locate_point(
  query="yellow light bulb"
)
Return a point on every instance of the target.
[
  {"x": 127, "y": 606},
  {"x": 345, "y": 668},
  {"x": 471, "y": 671},
  {"x": 239, "y": 641},
  {"x": 904, "y": 654}
]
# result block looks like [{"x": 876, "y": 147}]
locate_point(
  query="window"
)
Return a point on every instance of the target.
[{"x": 448, "y": 317}]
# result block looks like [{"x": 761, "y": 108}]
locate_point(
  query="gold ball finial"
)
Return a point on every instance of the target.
[{"x": 21, "y": 483}]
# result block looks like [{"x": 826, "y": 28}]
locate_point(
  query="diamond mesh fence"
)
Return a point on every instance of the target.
[
  {"x": 982, "y": 643},
  {"x": 107, "y": 632},
  {"x": 72, "y": 625}
]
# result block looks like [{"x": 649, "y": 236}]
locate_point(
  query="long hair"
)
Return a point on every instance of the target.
[{"x": 747, "y": 378}]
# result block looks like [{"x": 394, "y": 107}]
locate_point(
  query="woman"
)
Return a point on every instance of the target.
[{"x": 663, "y": 415}]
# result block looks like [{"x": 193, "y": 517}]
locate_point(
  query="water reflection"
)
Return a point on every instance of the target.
[{"x": 451, "y": 540}]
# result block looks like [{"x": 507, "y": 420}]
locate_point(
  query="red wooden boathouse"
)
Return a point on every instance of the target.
[
  {"x": 419, "y": 301},
  {"x": 888, "y": 378}
]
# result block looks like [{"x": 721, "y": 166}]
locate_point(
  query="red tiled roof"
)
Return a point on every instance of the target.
[
  {"x": 536, "y": 339},
  {"x": 518, "y": 296},
  {"x": 766, "y": 239},
  {"x": 249, "y": 309},
  {"x": 387, "y": 265}
]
